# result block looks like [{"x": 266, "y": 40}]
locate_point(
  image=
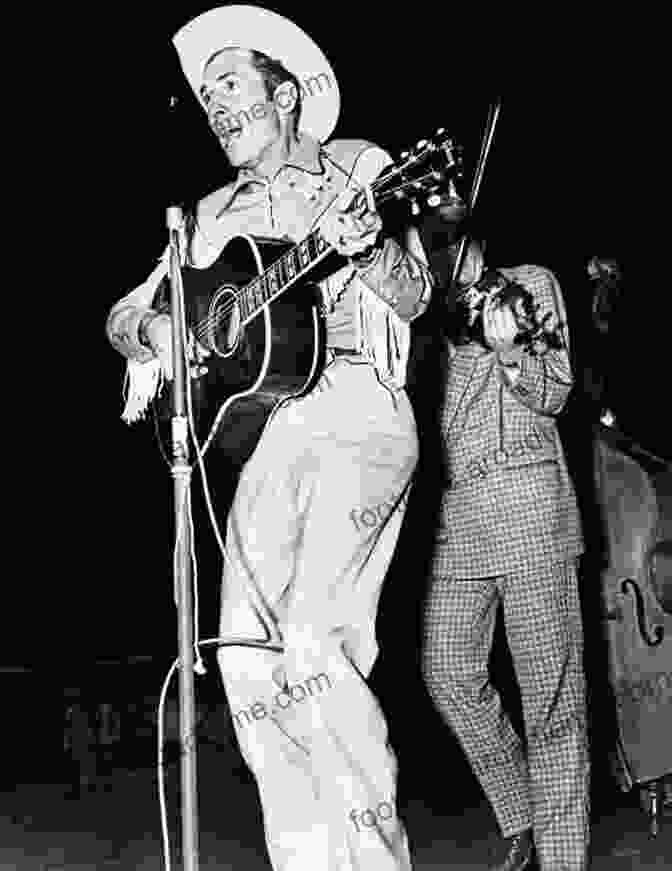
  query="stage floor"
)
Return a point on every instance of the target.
[{"x": 117, "y": 825}]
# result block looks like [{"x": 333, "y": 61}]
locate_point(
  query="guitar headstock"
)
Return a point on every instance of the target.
[{"x": 424, "y": 174}]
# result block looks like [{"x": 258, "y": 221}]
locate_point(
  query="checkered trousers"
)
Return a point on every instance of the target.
[{"x": 545, "y": 785}]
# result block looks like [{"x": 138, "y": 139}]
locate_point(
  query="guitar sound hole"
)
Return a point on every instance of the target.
[{"x": 223, "y": 323}]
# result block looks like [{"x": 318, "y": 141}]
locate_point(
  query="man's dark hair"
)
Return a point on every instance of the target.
[{"x": 274, "y": 74}]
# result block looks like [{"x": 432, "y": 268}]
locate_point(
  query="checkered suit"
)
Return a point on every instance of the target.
[
  {"x": 510, "y": 533},
  {"x": 510, "y": 497}
]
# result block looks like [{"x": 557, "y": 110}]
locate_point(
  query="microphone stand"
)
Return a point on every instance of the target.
[{"x": 181, "y": 472}]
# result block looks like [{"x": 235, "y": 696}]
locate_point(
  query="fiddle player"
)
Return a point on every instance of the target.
[{"x": 510, "y": 536}]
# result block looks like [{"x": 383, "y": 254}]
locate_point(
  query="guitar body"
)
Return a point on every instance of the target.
[{"x": 278, "y": 354}]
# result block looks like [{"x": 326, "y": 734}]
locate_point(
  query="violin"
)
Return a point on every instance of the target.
[{"x": 535, "y": 333}]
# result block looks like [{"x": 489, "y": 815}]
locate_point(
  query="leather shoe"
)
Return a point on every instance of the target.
[{"x": 518, "y": 852}]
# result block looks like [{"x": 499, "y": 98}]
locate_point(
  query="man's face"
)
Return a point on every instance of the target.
[{"x": 242, "y": 117}]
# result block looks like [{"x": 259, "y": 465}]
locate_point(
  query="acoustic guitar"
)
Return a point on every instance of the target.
[{"x": 258, "y": 313}]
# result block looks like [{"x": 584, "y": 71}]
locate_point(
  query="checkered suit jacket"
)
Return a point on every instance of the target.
[{"x": 510, "y": 499}]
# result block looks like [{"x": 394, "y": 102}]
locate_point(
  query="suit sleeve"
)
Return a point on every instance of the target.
[{"x": 542, "y": 382}]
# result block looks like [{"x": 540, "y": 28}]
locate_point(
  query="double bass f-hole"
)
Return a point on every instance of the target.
[{"x": 640, "y": 613}]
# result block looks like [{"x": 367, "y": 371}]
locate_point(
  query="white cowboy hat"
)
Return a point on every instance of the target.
[{"x": 259, "y": 29}]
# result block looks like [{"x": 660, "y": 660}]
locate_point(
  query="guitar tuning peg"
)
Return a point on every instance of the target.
[
  {"x": 415, "y": 208},
  {"x": 404, "y": 154},
  {"x": 422, "y": 144},
  {"x": 433, "y": 201},
  {"x": 440, "y": 131}
]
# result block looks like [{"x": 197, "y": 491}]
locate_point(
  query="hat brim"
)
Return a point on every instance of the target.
[{"x": 259, "y": 29}]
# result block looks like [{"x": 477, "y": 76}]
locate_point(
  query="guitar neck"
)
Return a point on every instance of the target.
[
  {"x": 282, "y": 274},
  {"x": 420, "y": 172}
]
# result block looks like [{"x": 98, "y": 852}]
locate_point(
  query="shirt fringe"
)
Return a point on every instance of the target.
[
  {"x": 385, "y": 338},
  {"x": 142, "y": 383}
]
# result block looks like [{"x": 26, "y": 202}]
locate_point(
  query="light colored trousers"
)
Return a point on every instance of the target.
[
  {"x": 314, "y": 523},
  {"x": 546, "y": 785}
]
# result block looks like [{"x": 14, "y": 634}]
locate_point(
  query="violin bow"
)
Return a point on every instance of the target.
[{"x": 488, "y": 135}]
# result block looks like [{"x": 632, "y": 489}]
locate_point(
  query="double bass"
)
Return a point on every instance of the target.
[{"x": 634, "y": 495}]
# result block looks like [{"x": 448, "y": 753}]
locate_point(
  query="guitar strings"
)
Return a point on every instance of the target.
[{"x": 212, "y": 321}]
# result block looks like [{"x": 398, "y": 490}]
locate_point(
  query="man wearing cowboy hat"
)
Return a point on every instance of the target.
[{"x": 319, "y": 504}]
